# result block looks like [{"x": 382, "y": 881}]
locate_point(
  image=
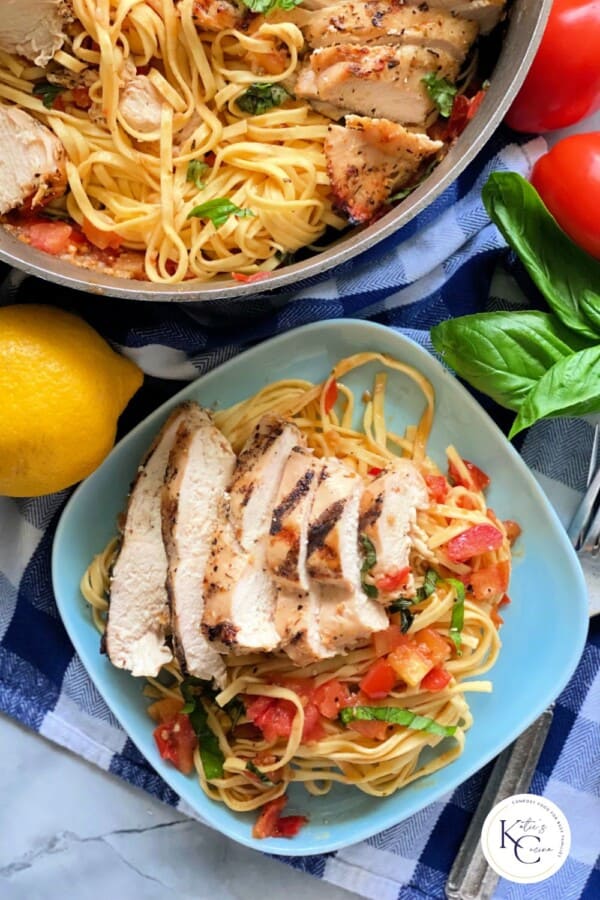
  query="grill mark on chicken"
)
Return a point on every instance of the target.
[
  {"x": 223, "y": 633},
  {"x": 318, "y": 531},
  {"x": 291, "y": 501},
  {"x": 370, "y": 515}
]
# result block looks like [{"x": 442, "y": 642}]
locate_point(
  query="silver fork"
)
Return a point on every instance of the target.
[{"x": 584, "y": 528}]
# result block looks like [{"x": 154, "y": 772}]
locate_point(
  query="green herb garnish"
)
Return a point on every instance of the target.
[
  {"x": 47, "y": 92},
  {"x": 441, "y": 91},
  {"x": 402, "y": 605},
  {"x": 430, "y": 583},
  {"x": 195, "y": 170},
  {"x": 262, "y": 96},
  {"x": 267, "y": 6},
  {"x": 218, "y": 211},
  {"x": 369, "y": 560},
  {"x": 211, "y": 755},
  {"x": 255, "y": 771},
  {"x": 458, "y": 613},
  {"x": 395, "y": 715}
]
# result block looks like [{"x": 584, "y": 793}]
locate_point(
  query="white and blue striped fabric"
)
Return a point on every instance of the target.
[{"x": 449, "y": 261}]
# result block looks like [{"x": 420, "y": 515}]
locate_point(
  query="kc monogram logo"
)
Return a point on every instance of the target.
[{"x": 526, "y": 838}]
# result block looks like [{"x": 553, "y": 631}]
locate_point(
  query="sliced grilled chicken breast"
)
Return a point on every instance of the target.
[
  {"x": 382, "y": 82},
  {"x": 348, "y": 618},
  {"x": 138, "y": 614},
  {"x": 369, "y": 159},
  {"x": 388, "y": 510},
  {"x": 34, "y": 28},
  {"x": 217, "y": 15},
  {"x": 486, "y": 13},
  {"x": 200, "y": 466},
  {"x": 140, "y": 106},
  {"x": 32, "y": 161},
  {"x": 332, "y": 555},
  {"x": 240, "y": 593},
  {"x": 394, "y": 23}
]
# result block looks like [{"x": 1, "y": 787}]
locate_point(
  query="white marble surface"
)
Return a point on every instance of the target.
[{"x": 70, "y": 831}]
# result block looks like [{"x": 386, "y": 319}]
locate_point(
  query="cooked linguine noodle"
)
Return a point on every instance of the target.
[{"x": 345, "y": 752}]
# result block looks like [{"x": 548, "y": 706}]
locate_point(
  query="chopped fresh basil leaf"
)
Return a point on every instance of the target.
[
  {"x": 54, "y": 213},
  {"x": 211, "y": 755},
  {"x": 266, "y": 6},
  {"x": 406, "y": 620},
  {"x": 235, "y": 709},
  {"x": 441, "y": 91},
  {"x": 47, "y": 92},
  {"x": 458, "y": 613},
  {"x": 218, "y": 211},
  {"x": 395, "y": 715},
  {"x": 429, "y": 585},
  {"x": 255, "y": 771},
  {"x": 195, "y": 170},
  {"x": 401, "y": 605},
  {"x": 262, "y": 96},
  {"x": 369, "y": 560}
]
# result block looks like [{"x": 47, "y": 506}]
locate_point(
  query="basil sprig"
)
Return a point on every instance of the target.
[
  {"x": 369, "y": 560},
  {"x": 195, "y": 170},
  {"x": 402, "y": 605},
  {"x": 218, "y": 211},
  {"x": 47, "y": 92},
  {"x": 430, "y": 582},
  {"x": 267, "y": 6},
  {"x": 262, "y": 96},
  {"x": 540, "y": 364},
  {"x": 395, "y": 715},
  {"x": 441, "y": 92},
  {"x": 211, "y": 755},
  {"x": 457, "y": 620}
]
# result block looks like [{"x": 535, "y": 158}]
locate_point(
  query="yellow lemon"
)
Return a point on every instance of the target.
[{"x": 62, "y": 389}]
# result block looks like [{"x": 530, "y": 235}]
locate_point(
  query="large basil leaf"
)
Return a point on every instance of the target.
[
  {"x": 562, "y": 271},
  {"x": 570, "y": 388},
  {"x": 504, "y": 354}
]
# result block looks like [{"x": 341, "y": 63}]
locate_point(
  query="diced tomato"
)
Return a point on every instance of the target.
[
  {"x": 274, "y": 717},
  {"x": 330, "y": 697},
  {"x": 496, "y": 617},
  {"x": 475, "y": 540},
  {"x": 51, "y": 237},
  {"x": 489, "y": 582},
  {"x": 385, "y": 641},
  {"x": 436, "y": 679},
  {"x": 271, "y": 824},
  {"x": 176, "y": 742},
  {"x": 379, "y": 680},
  {"x": 301, "y": 686},
  {"x": 438, "y": 487},
  {"x": 377, "y": 731},
  {"x": 81, "y": 97},
  {"x": 392, "y": 581},
  {"x": 210, "y": 158},
  {"x": 59, "y": 103},
  {"x": 506, "y": 601},
  {"x": 250, "y": 279},
  {"x": 374, "y": 470},
  {"x": 165, "y": 709},
  {"x": 101, "y": 239},
  {"x": 433, "y": 645},
  {"x": 331, "y": 395},
  {"x": 463, "y": 110},
  {"x": 410, "y": 663},
  {"x": 313, "y": 728},
  {"x": 142, "y": 70},
  {"x": 477, "y": 480},
  {"x": 513, "y": 530}
]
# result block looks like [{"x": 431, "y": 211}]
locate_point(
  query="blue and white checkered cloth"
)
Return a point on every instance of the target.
[{"x": 449, "y": 261}]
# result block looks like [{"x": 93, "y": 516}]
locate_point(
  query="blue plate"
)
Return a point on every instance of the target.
[{"x": 546, "y": 624}]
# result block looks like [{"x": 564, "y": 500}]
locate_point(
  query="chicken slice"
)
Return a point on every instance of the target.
[
  {"x": 391, "y": 23},
  {"x": 485, "y": 13},
  {"x": 383, "y": 82},
  {"x": 138, "y": 614},
  {"x": 286, "y": 551},
  {"x": 239, "y": 613},
  {"x": 140, "y": 106},
  {"x": 200, "y": 466},
  {"x": 34, "y": 28},
  {"x": 369, "y": 159},
  {"x": 347, "y": 619},
  {"x": 218, "y": 15},
  {"x": 32, "y": 161},
  {"x": 388, "y": 510}
]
